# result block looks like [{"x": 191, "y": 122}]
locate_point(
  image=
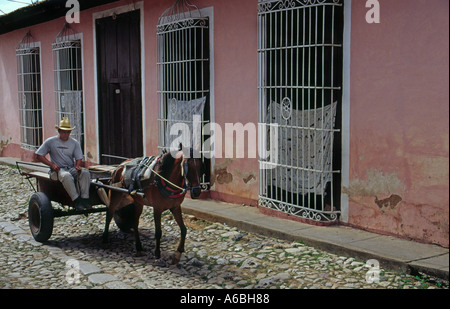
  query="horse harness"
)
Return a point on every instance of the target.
[{"x": 144, "y": 168}]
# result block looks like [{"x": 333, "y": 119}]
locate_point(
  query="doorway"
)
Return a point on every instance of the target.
[{"x": 119, "y": 87}]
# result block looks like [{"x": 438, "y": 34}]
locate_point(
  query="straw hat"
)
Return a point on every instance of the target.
[{"x": 64, "y": 124}]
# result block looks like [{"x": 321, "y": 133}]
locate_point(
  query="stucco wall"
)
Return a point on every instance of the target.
[{"x": 399, "y": 128}]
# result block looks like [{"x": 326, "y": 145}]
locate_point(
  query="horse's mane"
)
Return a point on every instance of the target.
[{"x": 167, "y": 163}]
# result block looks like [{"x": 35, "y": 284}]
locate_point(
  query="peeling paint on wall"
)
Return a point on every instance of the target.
[
  {"x": 224, "y": 176},
  {"x": 247, "y": 177},
  {"x": 221, "y": 173},
  {"x": 89, "y": 155},
  {"x": 377, "y": 184},
  {"x": 4, "y": 141},
  {"x": 390, "y": 202},
  {"x": 382, "y": 202}
]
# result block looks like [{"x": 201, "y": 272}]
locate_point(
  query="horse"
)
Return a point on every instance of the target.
[{"x": 172, "y": 175}]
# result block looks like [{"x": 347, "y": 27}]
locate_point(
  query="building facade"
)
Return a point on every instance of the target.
[{"x": 328, "y": 111}]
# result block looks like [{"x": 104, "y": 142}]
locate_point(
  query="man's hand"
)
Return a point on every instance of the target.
[
  {"x": 52, "y": 165},
  {"x": 78, "y": 165}
]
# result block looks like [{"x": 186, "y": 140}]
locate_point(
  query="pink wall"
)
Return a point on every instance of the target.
[
  {"x": 9, "y": 117},
  {"x": 399, "y": 120},
  {"x": 236, "y": 95}
]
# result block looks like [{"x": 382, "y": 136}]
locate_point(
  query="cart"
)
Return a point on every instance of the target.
[{"x": 41, "y": 212}]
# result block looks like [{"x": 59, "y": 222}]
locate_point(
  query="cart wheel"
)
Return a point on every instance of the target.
[{"x": 40, "y": 217}]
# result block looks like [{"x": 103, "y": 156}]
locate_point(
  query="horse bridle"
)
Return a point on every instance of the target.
[{"x": 185, "y": 170}]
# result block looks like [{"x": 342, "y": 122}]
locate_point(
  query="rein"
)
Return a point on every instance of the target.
[{"x": 165, "y": 180}]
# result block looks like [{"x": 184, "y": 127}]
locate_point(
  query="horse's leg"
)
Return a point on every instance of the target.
[
  {"x": 109, "y": 215},
  {"x": 179, "y": 219},
  {"x": 115, "y": 202},
  {"x": 137, "y": 214},
  {"x": 158, "y": 232}
]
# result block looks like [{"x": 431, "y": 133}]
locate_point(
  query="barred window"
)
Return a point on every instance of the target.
[
  {"x": 300, "y": 89},
  {"x": 29, "y": 89},
  {"x": 67, "y": 68},
  {"x": 183, "y": 75}
]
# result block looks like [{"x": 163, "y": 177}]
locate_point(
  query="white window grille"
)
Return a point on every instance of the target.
[
  {"x": 183, "y": 77},
  {"x": 29, "y": 88},
  {"x": 300, "y": 89},
  {"x": 67, "y": 68}
]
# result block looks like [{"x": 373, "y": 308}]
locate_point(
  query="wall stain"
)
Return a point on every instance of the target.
[
  {"x": 248, "y": 178},
  {"x": 377, "y": 184},
  {"x": 390, "y": 202},
  {"x": 222, "y": 175},
  {"x": 4, "y": 141}
]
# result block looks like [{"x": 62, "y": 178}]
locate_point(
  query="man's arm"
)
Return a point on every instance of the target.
[
  {"x": 44, "y": 160},
  {"x": 78, "y": 155}
]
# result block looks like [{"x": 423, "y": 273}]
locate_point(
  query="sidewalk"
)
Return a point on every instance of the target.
[{"x": 390, "y": 252}]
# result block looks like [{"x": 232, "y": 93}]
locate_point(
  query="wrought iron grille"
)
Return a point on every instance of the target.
[
  {"x": 67, "y": 69},
  {"x": 300, "y": 89},
  {"x": 29, "y": 89},
  {"x": 183, "y": 79}
]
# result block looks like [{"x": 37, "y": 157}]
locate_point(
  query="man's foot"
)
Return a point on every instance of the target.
[
  {"x": 78, "y": 204},
  {"x": 86, "y": 203}
]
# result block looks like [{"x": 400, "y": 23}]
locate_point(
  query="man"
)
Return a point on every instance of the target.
[{"x": 65, "y": 164}]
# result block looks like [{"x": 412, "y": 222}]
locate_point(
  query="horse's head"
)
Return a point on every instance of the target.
[{"x": 193, "y": 170}]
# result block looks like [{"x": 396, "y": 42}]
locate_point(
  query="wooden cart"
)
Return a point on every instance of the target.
[{"x": 41, "y": 212}]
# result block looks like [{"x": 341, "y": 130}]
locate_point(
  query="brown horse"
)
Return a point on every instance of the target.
[{"x": 172, "y": 175}]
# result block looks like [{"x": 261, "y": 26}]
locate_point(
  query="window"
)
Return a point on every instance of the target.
[
  {"x": 67, "y": 68},
  {"x": 29, "y": 86},
  {"x": 184, "y": 79},
  {"x": 300, "y": 89}
]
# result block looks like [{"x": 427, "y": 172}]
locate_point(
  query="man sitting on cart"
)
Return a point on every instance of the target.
[{"x": 65, "y": 164}]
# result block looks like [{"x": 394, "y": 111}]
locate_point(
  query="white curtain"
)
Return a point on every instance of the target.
[
  {"x": 180, "y": 114},
  {"x": 305, "y": 148}
]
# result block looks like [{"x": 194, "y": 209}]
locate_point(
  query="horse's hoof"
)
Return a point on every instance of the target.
[
  {"x": 176, "y": 258},
  {"x": 160, "y": 263}
]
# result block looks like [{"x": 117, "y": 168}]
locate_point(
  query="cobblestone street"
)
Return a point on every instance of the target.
[{"x": 217, "y": 256}]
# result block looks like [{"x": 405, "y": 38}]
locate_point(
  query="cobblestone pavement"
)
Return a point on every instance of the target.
[{"x": 217, "y": 256}]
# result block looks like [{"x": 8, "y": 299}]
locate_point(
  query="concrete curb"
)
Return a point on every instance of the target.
[{"x": 393, "y": 253}]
